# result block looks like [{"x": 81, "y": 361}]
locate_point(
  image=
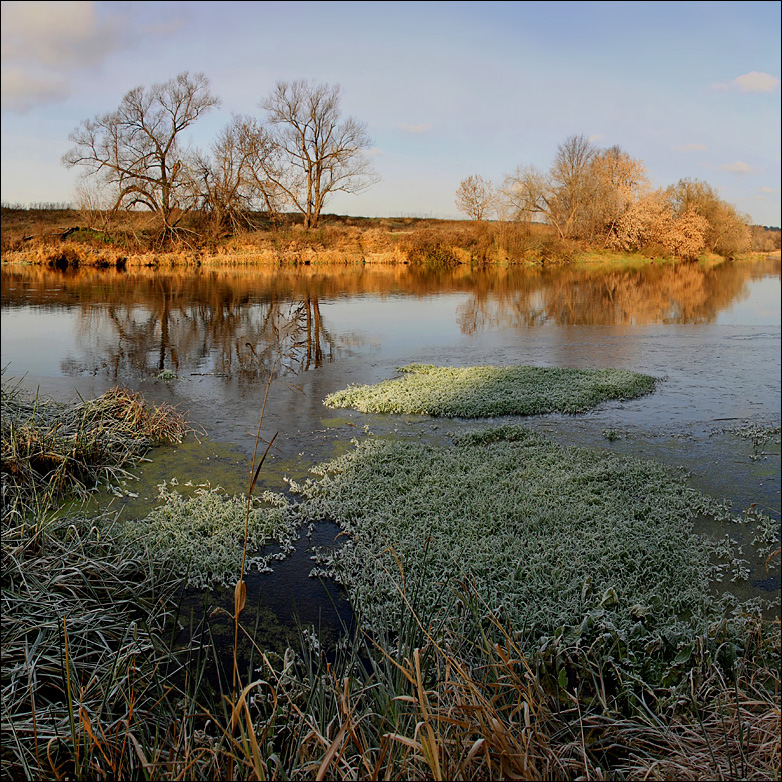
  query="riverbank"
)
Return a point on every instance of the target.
[
  {"x": 71, "y": 238},
  {"x": 459, "y": 693}
]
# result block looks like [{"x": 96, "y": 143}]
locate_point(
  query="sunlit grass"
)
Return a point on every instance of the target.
[{"x": 485, "y": 391}]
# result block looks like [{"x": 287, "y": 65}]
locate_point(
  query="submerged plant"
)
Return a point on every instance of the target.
[{"x": 485, "y": 391}]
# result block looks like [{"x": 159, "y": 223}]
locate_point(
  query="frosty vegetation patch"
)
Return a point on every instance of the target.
[
  {"x": 201, "y": 536},
  {"x": 485, "y": 391},
  {"x": 545, "y": 535}
]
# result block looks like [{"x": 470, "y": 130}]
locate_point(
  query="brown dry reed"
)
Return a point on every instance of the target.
[
  {"x": 50, "y": 450},
  {"x": 92, "y": 688}
]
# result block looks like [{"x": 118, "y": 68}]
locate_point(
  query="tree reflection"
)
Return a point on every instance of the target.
[
  {"x": 240, "y": 323},
  {"x": 194, "y": 324},
  {"x": 671, "y": 293}
]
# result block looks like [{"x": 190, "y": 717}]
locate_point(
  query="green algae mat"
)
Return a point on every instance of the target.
[{"x": 486, "y": 391}]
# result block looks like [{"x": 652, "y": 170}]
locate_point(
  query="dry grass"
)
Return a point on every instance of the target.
[
  {"x": 71, "y": 238},
  {"x": 51, "y": 449},
  {"x": 730, "y": 729},
  {"x": 94, "y": 688},
  {"x": 448, "y": 711}
]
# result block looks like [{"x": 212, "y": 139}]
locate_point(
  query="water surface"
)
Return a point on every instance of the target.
[{"x": 712, "y": 334}]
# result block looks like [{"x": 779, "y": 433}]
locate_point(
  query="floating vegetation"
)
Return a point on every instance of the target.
[
  {"x": 547, "y": 536},
  {"x": 201, "y": 536},
  {"x": 763, "y": 436},
  {"x": 752, "y": 430},
  {"x": 51, "y": 449},
  {"x": 485, "y": 391}
]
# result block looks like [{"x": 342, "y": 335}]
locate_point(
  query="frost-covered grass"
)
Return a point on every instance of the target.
[
  {"x": 201, "y": 535},
  {"x": 543, "y": 536},
  {"x": 485, "y": 391}
]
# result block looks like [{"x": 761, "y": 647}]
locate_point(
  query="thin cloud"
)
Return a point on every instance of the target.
[
  {"x": 739, "y": 167},
  {"x": 416, "y": 129},
  {"x": 45, "y": 45},
  {"x": 597, "y": 137},
  {"x": 754, "y": 81},
  {"x": 22, "y": 92},
  {"x": 56, "y": 34},
  {"x": 690, "y": 148},
  {"x": 770, "y": 190}
]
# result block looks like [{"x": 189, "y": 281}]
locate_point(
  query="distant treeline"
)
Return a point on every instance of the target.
[
  {"x": 602, "y": 197},
  {"x": 274, "y": 175},
  {"x": 40, "y": 206}
]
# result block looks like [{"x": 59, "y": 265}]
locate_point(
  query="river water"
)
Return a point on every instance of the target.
[{"x": 713, "y": 334}]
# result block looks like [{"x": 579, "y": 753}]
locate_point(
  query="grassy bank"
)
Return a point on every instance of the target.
[
  {"x": 51, "y": 451},
  {"x": 526, "y": 610},
  {"x": 67, "y": 238}
]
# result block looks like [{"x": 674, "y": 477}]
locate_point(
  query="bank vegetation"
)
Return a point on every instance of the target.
[
  {"x": 445, "y": 675},
  {"x": 259, "y": 192},
  {"x": 73, "y": 237}
]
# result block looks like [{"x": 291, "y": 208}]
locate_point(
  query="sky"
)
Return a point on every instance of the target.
[{"x": 446, "y": 89}]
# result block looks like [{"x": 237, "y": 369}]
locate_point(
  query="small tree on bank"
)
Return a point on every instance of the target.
[
  {"x": 316, "y": 153},
  {"x": 135, "y": 151},
  {"x": 231, "y": 182},
  {"x": 475, "y": 197}
]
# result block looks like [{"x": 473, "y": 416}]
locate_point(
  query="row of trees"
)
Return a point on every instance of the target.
[
  {"x": 302, "y": 152},
  {"x": 603, "y": 197}
]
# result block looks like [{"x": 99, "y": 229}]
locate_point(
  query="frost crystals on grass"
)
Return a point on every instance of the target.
[
  {"x": 543, "y": 534},
  {"x": 201, "y": 535},
  {"x": 485, "y": 391}
]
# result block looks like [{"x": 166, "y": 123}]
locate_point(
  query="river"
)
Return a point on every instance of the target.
[{"x": 206, "y": 339}]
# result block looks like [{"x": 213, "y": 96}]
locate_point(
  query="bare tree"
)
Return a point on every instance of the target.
[
  {"x": 475, "y": 197},
  {"x": 231, "y": 180},
  {"x": 528, "y": 194},
  {"x": 583, "y": 194},
  {"x": 572, "y": 183},
  {"x": 136, "y": 152},
  {"x": 317, "y": 153}
]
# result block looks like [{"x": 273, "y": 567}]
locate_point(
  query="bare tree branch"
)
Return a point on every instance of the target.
[
  {"x": 475, "y": 197},
  {"x": 315, "y": 153},
  {"x": 135, "y": 151}
]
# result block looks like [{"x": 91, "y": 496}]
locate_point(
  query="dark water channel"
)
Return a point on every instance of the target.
[{"x": 713, "y": 334}]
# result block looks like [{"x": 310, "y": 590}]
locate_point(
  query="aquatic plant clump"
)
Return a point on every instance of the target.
[
  {"x": 51, "y": 449},
  {"x": 486, "y": 391},
  {"x": 201, "y": 536},
  {"x": 543, "y": 535}
]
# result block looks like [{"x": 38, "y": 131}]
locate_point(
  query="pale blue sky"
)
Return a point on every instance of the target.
[{"x": 447, "y": 89}]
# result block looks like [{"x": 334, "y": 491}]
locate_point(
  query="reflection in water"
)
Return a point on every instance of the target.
[
  {"x": 682, "y": 293},
  {"x": 194, "y": 323},
  {"x": 235, "y": 322}
]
